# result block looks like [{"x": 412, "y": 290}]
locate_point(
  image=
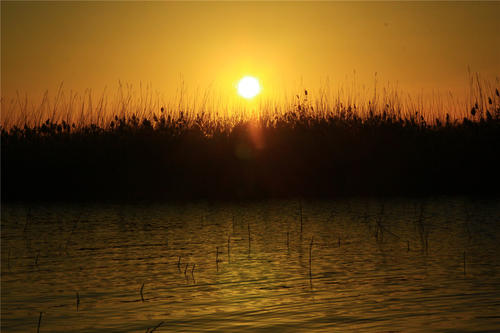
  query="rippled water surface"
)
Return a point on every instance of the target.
[{"x": 374, "y": 265}]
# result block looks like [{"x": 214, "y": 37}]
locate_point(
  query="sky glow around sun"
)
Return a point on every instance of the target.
[{"x": 193, "y": 49}]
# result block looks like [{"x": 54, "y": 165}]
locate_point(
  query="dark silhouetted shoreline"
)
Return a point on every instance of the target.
[{"x": 294, "y": 154}]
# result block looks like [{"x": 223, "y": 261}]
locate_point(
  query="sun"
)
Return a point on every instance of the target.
[{"x": 248, "y": 87}]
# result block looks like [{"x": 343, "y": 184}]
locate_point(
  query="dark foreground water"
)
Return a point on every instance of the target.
[{"x": 374, "y": 265}]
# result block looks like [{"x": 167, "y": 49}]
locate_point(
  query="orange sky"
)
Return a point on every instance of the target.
[{"x": 210, "y": 45}]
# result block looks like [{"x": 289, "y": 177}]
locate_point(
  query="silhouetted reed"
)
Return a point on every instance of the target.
[
  {"x": 142, "y": 292},
  {"x": 154, "y": 328},
  {"x": 35, "y": 263},
  {"x": 423, "y": 230},
  {"x": 77, "y": 301},
  {"x": 228, "y": 249},
  {"x": 464, "y": 264},
  {"x": 249, "y": 239},
  {"x": 288, "y": 240},
  {"x": 217, "y": 260},
  {"x": 39, "y": 323},
  {"x": 300, "y": 211},
  {"x": 310, "y": 255},
  {"x": 302, "y": 150}
]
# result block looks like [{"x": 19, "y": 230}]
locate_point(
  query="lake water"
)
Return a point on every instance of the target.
[{"x": 374, "y": 265}]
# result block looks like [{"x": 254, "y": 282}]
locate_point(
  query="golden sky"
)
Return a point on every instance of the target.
[{"x": 210, "y": 45}]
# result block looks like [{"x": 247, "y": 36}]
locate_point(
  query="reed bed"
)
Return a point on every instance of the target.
[
  {"x": 308, "y": 147},
  {"x": 129, "y": 103}
]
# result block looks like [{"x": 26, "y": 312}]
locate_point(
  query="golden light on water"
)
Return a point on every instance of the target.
[{"x": 248, "y": 87}]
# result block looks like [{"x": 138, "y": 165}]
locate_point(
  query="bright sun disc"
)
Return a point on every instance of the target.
[{"x": 248, "y": 87}]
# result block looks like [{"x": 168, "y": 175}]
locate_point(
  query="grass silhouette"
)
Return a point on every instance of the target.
[{"x": 303, "y": 150}]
